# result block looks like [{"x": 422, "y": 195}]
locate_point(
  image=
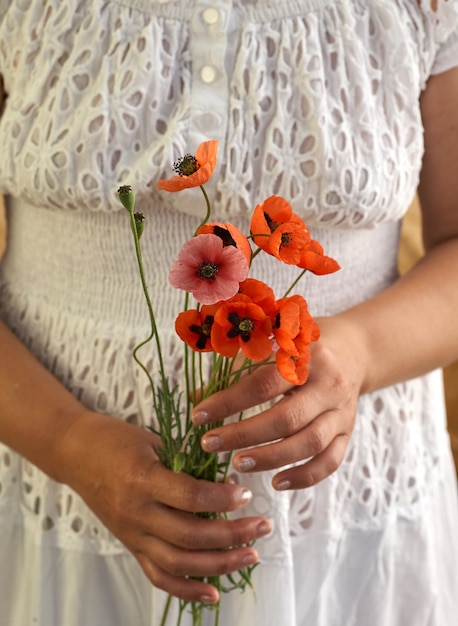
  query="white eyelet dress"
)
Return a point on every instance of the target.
[{"x": 314, "y": 100}]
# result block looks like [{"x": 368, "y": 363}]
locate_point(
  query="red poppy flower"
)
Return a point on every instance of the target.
[
  {"x": 268, "y": 216},
  {"x": 192, "y": 171},
  {"x": 240, "y": 324},
  {"x": 313, "y": 259},
  {"x": 194, "y": 327},
  {"x": 229, "y": 235},
  {"x": 294, "y": 369},
  {"x": 209, "y": 270}
]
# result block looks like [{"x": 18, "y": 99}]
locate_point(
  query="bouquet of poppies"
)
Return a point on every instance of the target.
[{"x": 236, "y": 319}]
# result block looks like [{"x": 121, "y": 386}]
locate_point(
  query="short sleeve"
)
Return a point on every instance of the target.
[{"x": 447, "y": 54}]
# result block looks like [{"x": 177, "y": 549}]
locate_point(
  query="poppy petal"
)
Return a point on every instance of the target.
[{"x": 206, "y": 160}]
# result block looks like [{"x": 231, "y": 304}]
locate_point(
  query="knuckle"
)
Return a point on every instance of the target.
[
  {"x": 290, "y": 422},
  {"x": 185, "y": 538},
  {"x": 224, "y": 566},
  {"x": 333, "y": 465},
  {"x": 191, "y": 498},
  {"x": 264, "y": 385},
  {"x": 241, "y": 536},
  {"x": 232, "y": 500},
  {"x": 336, "y": 457},
  {"x": 121, "y": 507},
  {"x": 150, "y": 571},
  {"x": 316, "y": 440},
  {"x": 225, "y": 405},
  {"x": 240, "y": 437},
  {"x": 154, "y": 576},
  {"x": 174, "y": 564}
]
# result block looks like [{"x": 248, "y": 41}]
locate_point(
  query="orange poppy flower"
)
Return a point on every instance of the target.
[
  {"x": 268, "y": 216},
  {"x": 288, "y": 241},
  {"x": 241, "y": 324},
  {"x": 313, "y": 259},
  {"x": 194, "y": 327},
  {"x": 294, "y": 369},
  {"x": 229, "y": 235},
  {"x": 294, "y": 328},
  {"x": 192, "y": 171},
  {"x": 259, "y": 293}
]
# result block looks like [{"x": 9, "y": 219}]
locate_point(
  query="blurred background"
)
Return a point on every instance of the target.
[{"x": 411, "y": 250}]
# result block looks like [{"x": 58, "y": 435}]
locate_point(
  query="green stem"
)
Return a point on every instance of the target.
[
  {"x": 209, "y": 210},
  {"x": 294, "y": 283},
  {"x": 184, "y": 443},
  {"x": 166, "y": 610},
  {"x": 152, "y": 318}
]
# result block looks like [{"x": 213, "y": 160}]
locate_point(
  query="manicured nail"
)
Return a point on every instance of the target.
[
  {"x": 263, "y": 529},
  {"x": 245, "y": 463},
  {"x": 211, "y": 443},
  {"x": 208, "y": 600},
  {"x": 283, "y": 485},
  {"x": 199, "y": 417},
  {"x": 246, "y": 496},
  {"x": 250, "y": 559}
]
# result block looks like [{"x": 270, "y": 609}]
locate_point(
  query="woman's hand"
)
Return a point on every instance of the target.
[
  {"x": 311, "y": 423},
  {"x": 151, "y": 510}
]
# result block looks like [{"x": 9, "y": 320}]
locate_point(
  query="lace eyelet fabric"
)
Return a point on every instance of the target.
[{"x": 314, "y": 100}]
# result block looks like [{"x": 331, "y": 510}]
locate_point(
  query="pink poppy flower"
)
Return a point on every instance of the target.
[{"x": 210, "y": 271}]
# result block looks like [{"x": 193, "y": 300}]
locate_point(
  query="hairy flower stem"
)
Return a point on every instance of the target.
[
  {"x": 153, "y": 332},
  {"x": 209, "y": 210}
]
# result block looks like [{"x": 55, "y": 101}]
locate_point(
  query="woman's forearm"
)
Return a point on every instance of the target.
[
  {"x": 412, "y": 327},
  {"x": 35, "y": 409}
]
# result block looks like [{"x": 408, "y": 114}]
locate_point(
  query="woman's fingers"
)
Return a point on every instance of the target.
[
  {"x": 312, "y": 422},
  {"x": 197, "y": 563},
  {"x": 154, "y": 511},
  {"x": 181, "y": 491},
  {"x": 308, "y": 442},
  {"x": 290, "y": 415},
  {"x": 190, "y": 532},
  {"x": 180, "y": 587},
  {"x": 265, "y": 383},
  {"x": 315, "y": 470}
]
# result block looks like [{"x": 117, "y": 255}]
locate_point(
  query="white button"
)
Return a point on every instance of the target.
[
  {"x": 208, "y": 121},
  {"x": 208, "y": 74},
  {"x": 210, "y": 16}
]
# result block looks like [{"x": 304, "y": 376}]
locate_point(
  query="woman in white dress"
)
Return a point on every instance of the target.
[{"x": 342, "y": 107}]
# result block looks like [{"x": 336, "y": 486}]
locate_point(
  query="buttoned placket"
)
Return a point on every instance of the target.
[{"x": 208, "y": 44}]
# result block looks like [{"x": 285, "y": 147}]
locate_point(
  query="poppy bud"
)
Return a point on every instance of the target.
[
  {"x": 139, "y": 223},
  {"x": 126, "y": 195}
]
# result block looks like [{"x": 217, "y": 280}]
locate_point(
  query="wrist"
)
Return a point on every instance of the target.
[{"x": 347, "y": 344}]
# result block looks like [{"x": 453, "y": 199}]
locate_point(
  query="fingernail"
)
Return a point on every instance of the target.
[
  {"x": 283, "y": 485},
  {"x": 246, "y": 496},
  {"x": 245, "y": 463},
  {"x": 211, "y": 443},
  {"x": 199, "y": 417},
  {"x": 208, "y": 600},
  {"x": 250, "y": 559},
  {"x": 263, "y": 529}
]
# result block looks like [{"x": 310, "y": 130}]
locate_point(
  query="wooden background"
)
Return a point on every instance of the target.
[{"x": 411, "y": 250}]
